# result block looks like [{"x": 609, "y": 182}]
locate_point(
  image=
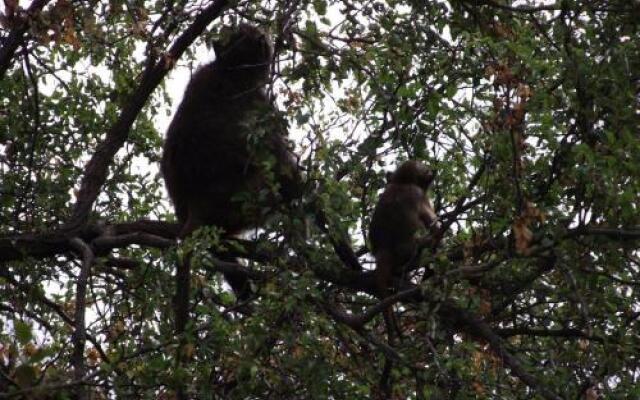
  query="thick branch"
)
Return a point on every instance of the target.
[
  {"x": 15, "y": 37},
  {"x": 474, "y": 326},
  {"x": 519, "y": 9},
  {"x": 98, "y": 167},
  {"x": 611, "y": 233},
  {"x": 227, "y": 267},
  {"x": 42, "y": 298},
  {"x": 558, "y": 333},
  {"x": 52, "y": 388},
  {"x": 79, "y": 336},
  {"x": 339, "y": 242},
  {"x": 143, "y": 232},
  {"x": 357, "y": 321},
  {"x": 459, "y": 319},
  {"x": 143, "y": 239}
]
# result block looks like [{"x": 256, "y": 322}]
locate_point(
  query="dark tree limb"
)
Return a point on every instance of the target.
[
  {"x": 557, "y": 333},
  {"x": 98, "y": 167},
  {"x": 357, "y": 321},
  {"x": 459, "y": 319},
  {"x": 140, "y": 238},
  {"x": 159, "y": 234},
  {"x": 52, "y": 388},
  {"x": 460, "y": 206},
  {"x": 342, "y": 248},
  {"x": 41, "y": 245},
  {"x": 512, "y": 288},
  {"x": 227, "y": 267},
  {"x": 518, "y": 9},
  {"x": 632, "y": 233},
  {"x": 15, "y": 38},
  {"x": 57, "y": 309},
  {"x": 79, "y": 337}
]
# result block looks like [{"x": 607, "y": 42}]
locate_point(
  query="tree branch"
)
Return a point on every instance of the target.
[
  {"x": 41, "y": 245},
  {"x": 227, "y": 267},
  {"x": 460, "y": 205},
  {"x": 560, "y": 333},
  {"x": 459, "y": 319},
  {"x": 519, "y": 9},
  {"x": 475, "y": 327},
  {"x": 108, "y": 242},
  {"x": 14, "y": 40},
  {"x": 632, "y": 233},
  {"x": 357, "y": 321},
  {"x": 53, "y": 388},
  {"x": 339, "y": 242},
  {"x": 79, "y": 337},
  {"x": 27, "y": 288}
]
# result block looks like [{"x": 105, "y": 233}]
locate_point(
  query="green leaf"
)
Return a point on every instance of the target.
[
  {"x": 320, "y": 6},
  {"x": 23, "y": 332}
]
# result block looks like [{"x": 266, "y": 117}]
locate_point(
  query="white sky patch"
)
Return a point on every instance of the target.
[{"x": 176, "y": 82}]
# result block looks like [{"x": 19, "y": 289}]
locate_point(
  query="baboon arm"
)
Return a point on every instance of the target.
[{"x": 429, "y": 217}]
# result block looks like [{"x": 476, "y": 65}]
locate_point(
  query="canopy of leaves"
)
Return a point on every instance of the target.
[{"x": 529, "y": 111}]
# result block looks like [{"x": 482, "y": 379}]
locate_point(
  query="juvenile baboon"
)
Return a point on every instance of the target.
[
  {"x": 226, "y": 159},
  {"x": 402, "y": 210}
]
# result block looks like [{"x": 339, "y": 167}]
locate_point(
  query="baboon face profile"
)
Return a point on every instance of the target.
[{"x": 402, "y": 210}]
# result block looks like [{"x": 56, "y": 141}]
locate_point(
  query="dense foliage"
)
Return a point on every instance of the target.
[{"x": 528, "y": 110}]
